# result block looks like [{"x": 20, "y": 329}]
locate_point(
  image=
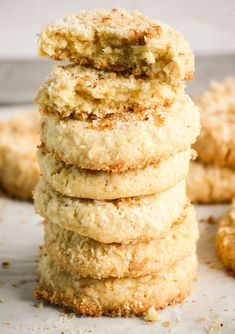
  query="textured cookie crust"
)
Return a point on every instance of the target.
[
  {"x": 216, "y": 143},
  {"x": 225, "y": 239},
  {"x": 19, "y": 170},
  {"x": 83, "y": 183},
  {"x": 210, "y": 183},
  {"x": 122, "y": 220},
  {"x": 114, "y": 297},
  {"x": 87, "y": 257},
  {"x": 77, "y": 91},
  {"x": 120, "y": 144},
  {"x": 119, "y": 41}
]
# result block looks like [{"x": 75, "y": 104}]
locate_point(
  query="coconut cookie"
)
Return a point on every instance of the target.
[
  {"x": 216, "y": 142},
  {"x": 77, "y": 91},
  {"x": 225, "y": 239},
  {"x": 119, "y": 41},
  {"x": 72, "y": 181},
  {"x": 210, "y": 183},
  {"x": 118, "y": 144},
  {"x": 127, "y": 297},
  {"x": 87, "y": 257},
  {"x": 122, "y": 220},
  {"x": 19, "y": 170}
]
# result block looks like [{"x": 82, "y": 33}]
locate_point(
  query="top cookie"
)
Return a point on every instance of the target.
[
  {"x": 216, "y": 142},
  {"x": 118, "y": 40}
]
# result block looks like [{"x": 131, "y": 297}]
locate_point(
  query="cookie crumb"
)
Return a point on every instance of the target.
[
  {"x": 151, "y": 315},
  {"x": 65, "y": 316},
  {"x": 215, "y": 326},
  {"x": 84, "y": 330},
  {"x": 167, "y": 323},
  {"x": 2, "y": 301},
  {"x": 38, "y": 305},
  {"x": 210, "y": 220},
  {"x": 6, "y": 323},
  {"x": 5, "y": 264},
  {"x": 19, "y": 283},
  {"x": 204, "y": 318}
]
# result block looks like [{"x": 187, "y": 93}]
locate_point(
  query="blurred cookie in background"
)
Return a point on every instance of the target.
[
  {"x": 212, "y": 177},
  {"x": 225, "y": 239},
  {"x": 210, "y": 183},
  {"x": 19, "y": 171}
]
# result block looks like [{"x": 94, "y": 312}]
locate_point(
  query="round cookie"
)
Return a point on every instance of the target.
[
  {"x": 114, "y": 297},
  {"x": 118, "y": 40},
  {"x": 118, "y": 144},
  {"x": 72, "y": 181},
  {"x": 225, "y": 239},
  {"x": 78, "y": 91},
  {"x": 19, "y": 170},
  {"x": 87, "y": 257},
  {"x": 216, "y": 142},
  {"x": 210, "y": 183},
  {"x": 122, "y": 220}
]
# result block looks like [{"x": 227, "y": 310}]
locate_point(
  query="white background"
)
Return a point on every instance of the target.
[{"x": 209, "y": 25}]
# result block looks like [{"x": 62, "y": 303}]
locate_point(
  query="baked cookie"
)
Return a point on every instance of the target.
[
  {"x": 216, "y": 143},
  {"x": 19, "y": 170},
  {"x": 210, "y": 183},
  {"x": 122, "y": 220},
  {"x": 72, "y": 181},
  {"x": 87, "y": 257},
  {"x": 225, "y": 239},
  {"x": 78, "y": 91},
  {"x": 114, "y": 296},
  {"x": 118, "y": 144},
  {"x": 118, "y": 40}
]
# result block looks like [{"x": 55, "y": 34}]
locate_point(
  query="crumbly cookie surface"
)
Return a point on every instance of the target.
[
  {"x": 210, "y": 183},
  {"x": 119, "y": 144},
  {"x": 225, "y": 239},
  {"x": 118, "y": 40},
  {"x": 19, "y": 170},
  {"x": 216, "y": 142},
  {"x": 122, "y": 220},
  {"x": 72, "y": 181},
  {"x": 77, "y": 91},
  {"x": 130, "y": 296},
  {"x": 87, "y": 257}
]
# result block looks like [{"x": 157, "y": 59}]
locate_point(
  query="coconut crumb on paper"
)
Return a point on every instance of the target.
[
  {"x": 210, "y": 220},
  {"x": 66, "y": 316},
  {"x": 167, "y": 323},
  {"x": 151, "y": 315},
  {"x": 22, "y": 282},
  {"x": 84, "y": 330},
  {"x": 215, "y": 327},
  {"x": 203, "y": 318},
  {"x": 6, "y": 323},
  {"x": 38, "y": 305},
  {"x": 5, "y": 264}
]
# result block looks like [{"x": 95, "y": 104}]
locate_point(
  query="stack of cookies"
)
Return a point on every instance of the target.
[{"x": 116, "y": 131}]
